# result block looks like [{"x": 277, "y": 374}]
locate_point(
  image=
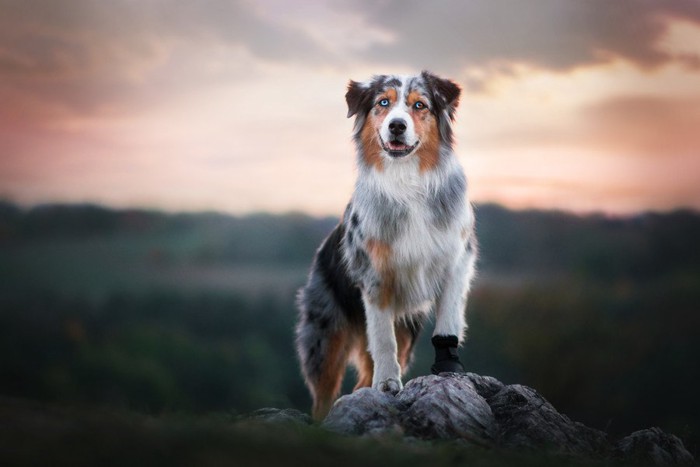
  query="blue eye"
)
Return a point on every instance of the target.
[
  {"x": 384, "y": 102},
  {"x": 419, "y": 105}
]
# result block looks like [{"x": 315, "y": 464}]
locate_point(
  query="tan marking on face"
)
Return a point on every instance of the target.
[
  {"x": 429, "y": 151},
  {"x": 371, "y": 146},
  {"x": 391, "y": 95},
  {"x": 378, "y": 112},
  {"x": 413, "y": 97},
  {"x": 426, "y": 129},
  {"x": 380, "y": 255}
]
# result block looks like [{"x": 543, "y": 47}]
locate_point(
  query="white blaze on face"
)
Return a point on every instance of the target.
[{"x": 399, "y": 112}]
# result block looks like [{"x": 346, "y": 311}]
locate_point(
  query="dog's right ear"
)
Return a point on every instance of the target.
[{"x": 358, "y": 97}]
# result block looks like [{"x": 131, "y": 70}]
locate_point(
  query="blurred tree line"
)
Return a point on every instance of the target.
[{"x": 195, "y": 312}]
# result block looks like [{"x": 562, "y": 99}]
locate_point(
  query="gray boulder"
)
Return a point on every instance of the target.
[
  {"x": 365, "y": 412},
  {"x": 482, "y": 411},
  {"x": 526, "y": 420},
  {"x": 653, "y": 446},
  {"x": 436, "y": 407}
]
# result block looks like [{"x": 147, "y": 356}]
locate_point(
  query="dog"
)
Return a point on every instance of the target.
[{"x": 405, "y": 246}]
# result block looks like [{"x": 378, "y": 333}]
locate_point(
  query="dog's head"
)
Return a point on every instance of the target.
[{"x": 402, "y": 116}]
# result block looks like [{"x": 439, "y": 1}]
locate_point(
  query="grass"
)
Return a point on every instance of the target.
[{"x": 33, "y": 433}]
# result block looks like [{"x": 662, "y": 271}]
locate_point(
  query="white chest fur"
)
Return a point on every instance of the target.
[{"x": 422, "y": 219}]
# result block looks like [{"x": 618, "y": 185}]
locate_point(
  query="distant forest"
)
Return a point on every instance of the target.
[{"x": 161, "y": 312}]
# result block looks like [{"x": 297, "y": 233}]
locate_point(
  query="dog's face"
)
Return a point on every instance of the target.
[{"x": 402, "y": 116}]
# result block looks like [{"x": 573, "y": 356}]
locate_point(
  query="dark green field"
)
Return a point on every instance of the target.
[
  {"x": 38, "y": 434},
  {"x": 165, "y": 327}
]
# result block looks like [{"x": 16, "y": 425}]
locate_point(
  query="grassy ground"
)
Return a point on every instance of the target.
[{"x": 34, "y": 433}]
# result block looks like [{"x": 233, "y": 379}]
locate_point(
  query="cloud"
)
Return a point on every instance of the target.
[
  {"x": 53, "y": 31},
  {"x": 551, "y": 34},
  {"x": 119, "y": 101},
  {"x": 91, "y": 58}
]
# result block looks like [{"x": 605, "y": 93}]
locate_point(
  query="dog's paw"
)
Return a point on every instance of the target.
[{"x": 390, "y": 385}]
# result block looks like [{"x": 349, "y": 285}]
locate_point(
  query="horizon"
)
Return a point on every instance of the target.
[
  {"x": 238, "y": 107},
  {"x": 218, "y": 212}
]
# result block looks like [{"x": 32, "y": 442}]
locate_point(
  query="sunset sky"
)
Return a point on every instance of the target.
[{"x": 238, "y": 106}]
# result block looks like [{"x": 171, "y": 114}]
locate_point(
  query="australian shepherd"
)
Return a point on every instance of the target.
[{"x": 404, "y": 247}]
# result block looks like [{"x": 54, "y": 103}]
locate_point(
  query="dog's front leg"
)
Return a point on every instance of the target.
[
  {"x": 450, "y": 322},
  {"x": 381, "y": 340}
]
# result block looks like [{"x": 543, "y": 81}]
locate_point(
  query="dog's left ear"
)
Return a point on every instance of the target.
[{"x": 445, "y": 92}]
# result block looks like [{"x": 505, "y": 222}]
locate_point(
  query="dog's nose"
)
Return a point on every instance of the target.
[{"x": 397, "y": 126}]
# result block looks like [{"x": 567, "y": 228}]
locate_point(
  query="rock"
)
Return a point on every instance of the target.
[
  {"x": 526, "y": 420},
  {"x": 486, "y": 386},
  {"x": 481, "y": 410},
  {"x": 273, "y": 415},
  {"x": 446, "y": 408},
  {"x": 653, "y": 446},
  {"x": 365, "y": 412}
]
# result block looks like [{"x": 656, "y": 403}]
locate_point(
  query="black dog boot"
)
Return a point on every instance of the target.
[{"x": 446, "y": 356}]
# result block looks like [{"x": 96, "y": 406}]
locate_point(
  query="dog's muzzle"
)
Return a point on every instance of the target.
[{"x": 396, "y": 146}]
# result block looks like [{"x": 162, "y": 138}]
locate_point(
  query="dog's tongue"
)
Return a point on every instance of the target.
[{"x": 397, "y": 146}]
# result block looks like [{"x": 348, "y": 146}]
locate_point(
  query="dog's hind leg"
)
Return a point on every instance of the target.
[
  {"x": 326, "y": 381},
  {"x": 323, "y": 344},
  {"x": 330, "y": 316}
]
